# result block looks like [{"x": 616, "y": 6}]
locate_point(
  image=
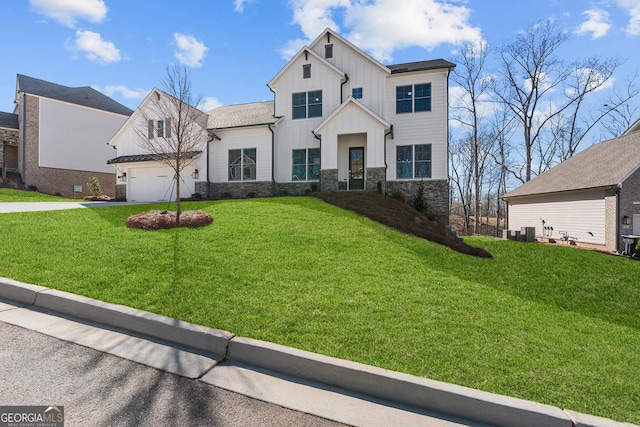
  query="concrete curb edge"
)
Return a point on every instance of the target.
[{"x": 451, "y": 399}]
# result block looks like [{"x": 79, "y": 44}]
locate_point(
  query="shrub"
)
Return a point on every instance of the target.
[
  {"x": 94, "y": 186},
  {"x": 419, "y": 201}
]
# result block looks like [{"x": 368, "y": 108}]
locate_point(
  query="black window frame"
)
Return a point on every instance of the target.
[
  {"x": 413, "y": 98},
  {"x": 306, "y": 105}
]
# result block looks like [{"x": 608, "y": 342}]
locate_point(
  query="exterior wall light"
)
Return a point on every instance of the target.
[
  {"x": 195, "y": 174},
  {"x": 123, "y": 177}
]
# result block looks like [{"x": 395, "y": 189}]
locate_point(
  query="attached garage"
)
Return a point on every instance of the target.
[{"x": 151, "y": 184}]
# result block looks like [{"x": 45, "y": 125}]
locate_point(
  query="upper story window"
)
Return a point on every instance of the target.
[
  {"x": 356, "y": 92},
  {"x": 306, "y": 71},
  {"x": 413, "y": 161},
  {"x": 328, "y": 51},
  {"x": 159, "y": 128},
  {"x": 242, "y": 164},
  {"x": 413, "y": 98},
  {"x": 306, "y": 104}
]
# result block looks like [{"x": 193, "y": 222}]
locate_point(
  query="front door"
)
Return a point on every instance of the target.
[{"x": 356, "y": 168}]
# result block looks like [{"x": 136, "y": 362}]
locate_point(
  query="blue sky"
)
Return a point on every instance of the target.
[{"x": 232, "y": 48}]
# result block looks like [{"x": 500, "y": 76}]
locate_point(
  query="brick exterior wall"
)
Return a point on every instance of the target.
[
  {"x": 436, "y": 195},
  {"x": 611, "y": 220},
  {"x": 629, "y": 193},
  {"x": 52, "y": 180}
]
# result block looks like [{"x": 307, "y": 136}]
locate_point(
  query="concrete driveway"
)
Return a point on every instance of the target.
[{"x": 9, "y": 207}]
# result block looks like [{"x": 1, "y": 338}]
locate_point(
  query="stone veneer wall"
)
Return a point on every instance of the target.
[
  {"x": 375, "y": 176},
  {"x": 121, "y": 191},
  {"x": 241, "y": 190},
  {"x": 53, "y": 180},
  {"x": 299, "y": 188},
  {"x": 7, "y": 137},
  {"x": 436, "y": 195},
  {"x": 329, "y": 180}
]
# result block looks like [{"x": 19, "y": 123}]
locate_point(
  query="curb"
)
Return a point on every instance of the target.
[{"x": 450, "y": 399}]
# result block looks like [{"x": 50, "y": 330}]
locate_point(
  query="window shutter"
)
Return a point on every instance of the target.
[
  {"x": 167, "y": 128},
  {"x": 150, "y": 125}
]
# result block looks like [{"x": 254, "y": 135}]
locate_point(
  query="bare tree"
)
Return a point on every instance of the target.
[
  {"x": 531, "y": 74},
  {"x": 174, "y": 131},
  {"x": 471, "y": 76},
  {"x": 618, "y": 114}
]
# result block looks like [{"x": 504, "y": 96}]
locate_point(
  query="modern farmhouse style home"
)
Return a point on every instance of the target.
[{"x": 339, "y": 121}]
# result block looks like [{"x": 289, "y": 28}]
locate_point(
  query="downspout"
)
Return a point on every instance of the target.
[
  {"x": 346, "y": 79},
  {"x": 448, "y": 180},
  {"x": 319, "y": 139},
  {"x": 386, "y": 166}
]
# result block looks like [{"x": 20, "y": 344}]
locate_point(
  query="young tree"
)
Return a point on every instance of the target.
[{"x": 182, "y": 135}]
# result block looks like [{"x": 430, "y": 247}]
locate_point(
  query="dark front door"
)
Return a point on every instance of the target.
[{"x": 356, "y": 168}]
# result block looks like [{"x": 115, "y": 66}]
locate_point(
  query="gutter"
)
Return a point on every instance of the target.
[
  {"x": 319, "y": 139},
  {"x": 346, "y": 79}
]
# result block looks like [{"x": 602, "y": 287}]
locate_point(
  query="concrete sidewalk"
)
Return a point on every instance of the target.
[
  {"x": 12, "y": 207},
  {"x": 339, "y": 390}
]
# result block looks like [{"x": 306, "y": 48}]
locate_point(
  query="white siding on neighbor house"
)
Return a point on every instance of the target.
[
  {"x": 75, "y": 137},
  {"x": 578, "y": 213},
  {"x": 231, "y": 139},
  {"x": 423, "y": 127}
]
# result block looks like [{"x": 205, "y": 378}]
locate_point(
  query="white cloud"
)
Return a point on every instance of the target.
[
  {"x": 597, "y": 23},
  {"x": 381, "y": 26},
  {"x": 633, "y": 9},
  {"x": 94, "y": 47},
  {"x": 125, "y": 92},
  {"x": 68, "y": 12},
  {"x": 239, "y": 5},
  {"x": 209, "y": 103},
  {"x": 191, "y": 52}
]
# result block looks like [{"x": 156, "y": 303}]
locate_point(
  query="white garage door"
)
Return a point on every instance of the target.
[{"x": 151, "y": 185}]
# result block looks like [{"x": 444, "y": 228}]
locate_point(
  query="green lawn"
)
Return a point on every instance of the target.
[
  {"x": 550, "y": 324},
  {"x": 12, "y": 195}
]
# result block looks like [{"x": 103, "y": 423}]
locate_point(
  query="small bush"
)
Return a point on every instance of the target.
[
  {"x": 94, "y": 186},
  {"x": 196, "y": 196}
]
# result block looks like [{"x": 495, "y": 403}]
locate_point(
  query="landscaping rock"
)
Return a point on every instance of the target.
[{"x": 156, "y": 220}]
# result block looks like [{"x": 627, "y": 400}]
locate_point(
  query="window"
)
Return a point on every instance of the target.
[
  {"x": 307, "y": 104},
  {"x": 413, "y": 161},
  {"x": 160, "y": 128},
  {"x": 306, "y": 71},
  {"x": 413, "y": 98},
  {"x": 306, "y": 164},
  {"x": 242, "y": 164},
  {"x": 328, "y": 51},
  {"x": 356, "y": 92}
]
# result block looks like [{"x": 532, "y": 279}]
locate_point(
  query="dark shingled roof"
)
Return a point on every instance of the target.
[
  {"x": 150, "y": 157},
  {"x": 433, "y": 64},
  {"x": 606, "y": 164},
  {"x": 252, "y": 114},
  {"x": 84, "y": 96},
  {"x": 8, "y": 120}
]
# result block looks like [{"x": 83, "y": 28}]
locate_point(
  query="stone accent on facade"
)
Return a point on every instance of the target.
[
  {"x": 8, "y": 144},
  {"x": 299, "y": 188},
  {"x": 376, "y": 180},
  {"x": 436, "y": 195},
  {"x": 202, "y": 189},
  {"x": 328, "y": 180},
  {"x": 241, "y": 190},
  {"x": 121, "y": 191}
]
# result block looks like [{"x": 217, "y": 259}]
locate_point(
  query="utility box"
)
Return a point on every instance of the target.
[
  {"x": 514, "y": 235},
  {"x": 505, "y": 234},
  {"x": 528, "y": 234}
]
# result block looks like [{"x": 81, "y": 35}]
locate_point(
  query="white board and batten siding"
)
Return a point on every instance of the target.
[
  {"x": 240, "y": 138},
  {"x": 581, "y": 214},
  {"x": 423, "y": 127}
]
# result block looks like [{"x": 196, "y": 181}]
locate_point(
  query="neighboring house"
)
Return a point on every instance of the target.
[
  {"x": 340, "y": 121},
  {"x": 62, "y": 136},
  {"x": 143, "y": 174},
  {"x": 593, "y": 196},
  {"x": 8, "y": 144}
]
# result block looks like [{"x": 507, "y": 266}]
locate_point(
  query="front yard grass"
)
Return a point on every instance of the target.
[
  {"x": 550, "y": 324},
  {"x": 13, "y": 195}
]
